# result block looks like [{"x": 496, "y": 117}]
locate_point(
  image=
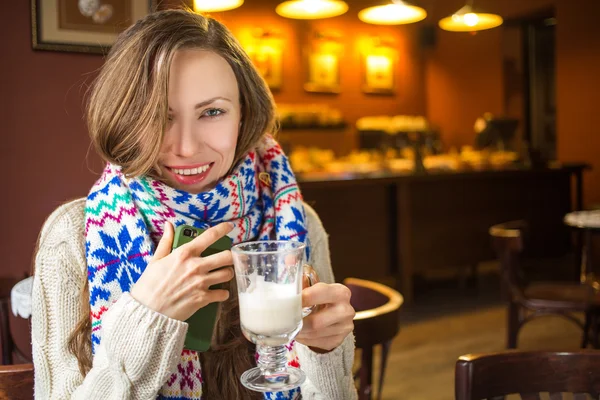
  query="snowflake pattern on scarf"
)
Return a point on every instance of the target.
[{"x": 124, "y": 220}]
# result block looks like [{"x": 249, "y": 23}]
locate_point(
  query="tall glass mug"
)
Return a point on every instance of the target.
[{"x": 269, "y": 279}]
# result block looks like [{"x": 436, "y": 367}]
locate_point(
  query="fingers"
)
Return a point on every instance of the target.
[
  {"x": 318, "y": 323},
  {"x": 322, "y": 293},
  {"x": 166, "y": 242},
  {"x": 212, "y": 262},
  {"x": 326, "y": 329},
  {"x": 216, "y": 277},
  {"x": 214, "y": 296},
  {"x": 208, "y": 237}
]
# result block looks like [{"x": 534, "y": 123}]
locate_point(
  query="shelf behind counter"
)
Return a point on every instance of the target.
[{"x": 392, "y": 227}]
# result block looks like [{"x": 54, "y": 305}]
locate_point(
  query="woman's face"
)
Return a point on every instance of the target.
[{"x": 204, "y": 119}]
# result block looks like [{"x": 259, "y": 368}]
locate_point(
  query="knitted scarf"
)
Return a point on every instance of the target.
[{"x": 124, "y": 219}]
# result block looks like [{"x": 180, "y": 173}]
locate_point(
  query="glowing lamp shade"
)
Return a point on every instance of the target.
[
  {"x": 216, "y": 5},
  {"x": 467, "y": 20},
  {"x": 396, "y": 13},
  {"x": 311, "y": 9}
]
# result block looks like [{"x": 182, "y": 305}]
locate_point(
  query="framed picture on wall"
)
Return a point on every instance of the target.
[
  {"x": 323, "y": 73},
  {"x": 265, "y": 49},
  {"x": 323, "y": 63},
  {"x": 84, "y": 26},
  {"x": 269, "y": 62},
  {"x": 379, "y": 66}
]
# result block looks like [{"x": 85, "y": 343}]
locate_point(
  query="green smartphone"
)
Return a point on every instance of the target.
[{"x": 201, "y": 325}]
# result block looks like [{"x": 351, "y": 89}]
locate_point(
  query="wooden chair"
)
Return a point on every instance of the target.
[
  {"x": 16, "y": 382},
  {"x": 20, "y": 339},
  {"x": 528, "y": 300},
  {"x": 377, "y": 322},
  {"x": 6, "y": 284},
  {"x": 15, "y": 331},
  {"x": 493, "y": 376}
]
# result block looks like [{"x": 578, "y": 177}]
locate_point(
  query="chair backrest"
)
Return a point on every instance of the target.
[
  {"x": 16, "y": 382},
  {"x": 377, "y": 308},
  {"x": 529, "y": 373},
  {"x": 20, "y": 333}
]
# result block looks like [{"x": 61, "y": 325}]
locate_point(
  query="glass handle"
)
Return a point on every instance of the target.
[{"x": 309, "y": 278}]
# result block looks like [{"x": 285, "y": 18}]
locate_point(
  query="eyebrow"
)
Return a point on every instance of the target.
[{"x": 208, "y": 101}]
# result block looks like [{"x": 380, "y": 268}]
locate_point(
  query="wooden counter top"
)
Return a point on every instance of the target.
[
  {"x": 390, "y": 177},
  {"x": 392, "y": 228}
]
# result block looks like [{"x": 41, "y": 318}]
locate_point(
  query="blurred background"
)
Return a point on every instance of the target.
[{"x": 413, "y": 130}]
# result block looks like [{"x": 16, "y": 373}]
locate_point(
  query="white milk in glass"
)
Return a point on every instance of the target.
[{"x": 270, "y": 310}]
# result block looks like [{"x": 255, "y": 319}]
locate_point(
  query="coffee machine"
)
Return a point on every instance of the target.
[{"x": 496, "y": 133}]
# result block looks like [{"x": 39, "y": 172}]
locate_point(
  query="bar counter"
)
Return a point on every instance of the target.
[{"x": 394, "y": 227}]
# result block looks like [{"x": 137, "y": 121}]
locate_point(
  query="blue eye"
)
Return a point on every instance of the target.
[{"x": 213, "y": 112}]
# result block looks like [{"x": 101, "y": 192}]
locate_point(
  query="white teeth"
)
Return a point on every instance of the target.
[{"x": 192, "y": 171}]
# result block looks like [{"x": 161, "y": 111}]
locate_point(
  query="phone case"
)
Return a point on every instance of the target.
[{"x": 201, "y": 324}]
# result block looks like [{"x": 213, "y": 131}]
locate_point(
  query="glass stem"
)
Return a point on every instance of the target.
[{"x": 272, "y": 360}]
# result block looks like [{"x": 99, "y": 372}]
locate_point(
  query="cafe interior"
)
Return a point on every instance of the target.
[{"x": 448, "y": 146}]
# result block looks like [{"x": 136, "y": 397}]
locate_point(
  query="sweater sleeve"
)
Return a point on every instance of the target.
[
  {"x": 139, "y": 347},
  {"x": 329, "y": 375}
]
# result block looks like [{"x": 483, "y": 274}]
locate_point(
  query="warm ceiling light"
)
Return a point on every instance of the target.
[
  {"x": 467, "y": 20},
  {"x": 216, "y": 5},
  {"x": 311, "y": 9},
  {"x": 396, "y": 13}
]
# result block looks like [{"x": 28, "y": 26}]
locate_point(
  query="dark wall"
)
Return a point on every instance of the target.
[
  {"x": 464, "y": 78},
  {"x": 578, "y": 89},
  {"x": 46, "y": 153},
  {"x": 45, "y": 142}
]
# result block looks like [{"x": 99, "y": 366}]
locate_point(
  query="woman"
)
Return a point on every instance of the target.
[{"x": 183, "y": 120}]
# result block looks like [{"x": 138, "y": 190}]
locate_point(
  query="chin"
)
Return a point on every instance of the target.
[{"x": 193, "y": 189}]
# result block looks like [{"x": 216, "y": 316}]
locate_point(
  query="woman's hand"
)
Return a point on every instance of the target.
[
  {"x": 176, "y": 284},
  {"x": 326, "y": 327}
]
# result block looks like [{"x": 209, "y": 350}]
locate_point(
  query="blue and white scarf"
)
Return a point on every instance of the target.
[{"x": 124, "y": 219}]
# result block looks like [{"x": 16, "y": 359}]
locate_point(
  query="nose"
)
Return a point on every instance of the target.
[{"x": 185, "y": 141}]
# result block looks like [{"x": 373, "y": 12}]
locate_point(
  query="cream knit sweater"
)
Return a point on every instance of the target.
[{"x": 140, "y": 348}]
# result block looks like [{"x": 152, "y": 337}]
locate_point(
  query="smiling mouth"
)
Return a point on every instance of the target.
[
  {"x": 191, "y": 171},
  {"x": 190, "y": 175}
]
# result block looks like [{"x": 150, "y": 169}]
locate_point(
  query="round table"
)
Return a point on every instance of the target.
[{"x": 588, "y": 223}]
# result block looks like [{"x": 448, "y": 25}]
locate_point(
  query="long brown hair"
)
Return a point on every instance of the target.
[{"x": 127, "y": 115}]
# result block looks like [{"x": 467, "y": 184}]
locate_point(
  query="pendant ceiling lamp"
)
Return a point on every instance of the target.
[
  {"x": 394, "y": 12},
  {"x": 468, "y": 20},
  {"x": 216, "y": 5},
  {"x": 311, "y": 9}
]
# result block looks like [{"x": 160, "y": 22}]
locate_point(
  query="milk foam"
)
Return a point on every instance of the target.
[{"x": 267, "y": 308}]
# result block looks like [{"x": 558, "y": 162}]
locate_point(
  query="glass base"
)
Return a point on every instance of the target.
[{"x": 254, "y": 379}]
